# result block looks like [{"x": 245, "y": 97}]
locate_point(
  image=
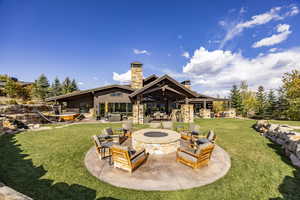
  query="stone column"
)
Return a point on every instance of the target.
[
  {"x": 187, "y": 112},
  {"x": 138, "y": 112}
]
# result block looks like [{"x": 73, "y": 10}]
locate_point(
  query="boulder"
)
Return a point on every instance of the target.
[{"x": 295, "y": 160}]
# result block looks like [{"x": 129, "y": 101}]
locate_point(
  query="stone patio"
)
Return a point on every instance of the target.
[{"x": 160, "y": 172}]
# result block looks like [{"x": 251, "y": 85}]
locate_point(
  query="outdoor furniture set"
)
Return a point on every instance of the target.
[{"x": 194, "y": 151}]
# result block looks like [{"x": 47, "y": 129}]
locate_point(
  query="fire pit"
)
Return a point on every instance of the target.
[{"x": 156, "y": 141}]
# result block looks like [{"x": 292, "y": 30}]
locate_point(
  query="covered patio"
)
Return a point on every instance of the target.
[{"x": 167, "y": 99}]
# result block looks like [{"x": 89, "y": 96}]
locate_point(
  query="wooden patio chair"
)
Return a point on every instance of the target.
[
  {"x": 127, "y": 128},
  {"x": 210, "y": 137},
  {"x": 118, "y": 138},
  {"x": 127, "y": 160},
  {"x": 102, "y": 147},
  {"x": 199, "y": 158}
]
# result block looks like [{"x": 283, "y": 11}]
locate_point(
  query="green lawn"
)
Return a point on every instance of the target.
[{"x": 49, "y": 165}]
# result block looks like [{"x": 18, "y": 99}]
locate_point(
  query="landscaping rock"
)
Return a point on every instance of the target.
[
  {"x": 282, "y": 135},
  {"x": 7, "y": 193},
  {"x": 295, "y": 160}
]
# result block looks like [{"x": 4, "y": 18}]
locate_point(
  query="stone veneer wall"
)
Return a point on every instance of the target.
[
  {"x": 136, "y": 76},
  {"x": 138, "y": 113},
  {"x": 7, "y": 193},
  {"x": 205, "y": 113},
  {"x": 282, "y": 135},
  {"x": 187, "y": 112}
]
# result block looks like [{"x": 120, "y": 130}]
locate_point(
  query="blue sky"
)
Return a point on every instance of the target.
[{"x": 214, "y": 43}]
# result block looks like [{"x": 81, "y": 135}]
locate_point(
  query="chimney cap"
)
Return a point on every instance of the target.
[
  {"x": 136, "y": 63},
  {"x": 186, "y": 82}
]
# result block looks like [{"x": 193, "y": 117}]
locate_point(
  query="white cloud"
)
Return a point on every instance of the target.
[
  {"x": 169, "y": 54},
  {"x": 137, "y": 51},
  {"x": 122, "y": 78},
  {"x": 186, "y": 54},
  {"x": 282, "y": 29},
  {"x": 272, "y": 49},
  {"x": 218, "y": 70},
  {"x": 294, "y": 11},
  {"x": 242, "y": 10},
  {"x": 80, "y": 83},
  {"x": 272, "y": 14}
]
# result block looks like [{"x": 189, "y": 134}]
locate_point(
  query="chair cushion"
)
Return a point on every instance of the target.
[
  {"x": 107, "y": 144},
  {"x": 137, "y": 158},
  {"x": 108, "y": 131},
  {"x": 187, "y": 156},
  {"x": 210, "y": 135},
  {"x": 202, "y": 146},
  {"x": 202, "y": 141}
]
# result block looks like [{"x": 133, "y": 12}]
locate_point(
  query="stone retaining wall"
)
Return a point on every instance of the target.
[
  {"x": 284, "y": 136},
  {"x": 7, "y": 193}
]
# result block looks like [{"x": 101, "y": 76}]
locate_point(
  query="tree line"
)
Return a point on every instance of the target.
[
  {"x": 281, "y": 103},
  {"x": 40, "y": 89}
]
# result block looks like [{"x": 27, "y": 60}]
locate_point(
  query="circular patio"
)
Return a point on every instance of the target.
[{"x": 160, "y": 172}]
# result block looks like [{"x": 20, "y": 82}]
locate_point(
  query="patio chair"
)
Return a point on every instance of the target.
[
  {"x": 118, "y": 138},
  {"x": 210, "y": 137},
  {"x": 127, "y": 160},
  {"x": 127, "y": 128},
  {"x": 194, "y": 129},
  {"x": 167, "y": 125},
  {"x": 199, "y": 158},
  {"x": 102, "y": 147}
]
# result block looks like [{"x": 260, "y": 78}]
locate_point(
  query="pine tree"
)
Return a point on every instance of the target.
[
  {"x": 236, "y": 99},
  {"x": 261, "y": 102},
  {"x": 66, "y": 87},
  {"x": 41, "y": 87},
  {"x": 271, "y": 104},
  {"x": 74, "y": 86},
  {"x": 56, "y": 87}
]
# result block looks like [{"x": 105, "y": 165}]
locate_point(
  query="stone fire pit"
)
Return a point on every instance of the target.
[{"x": 156, "y": 141}]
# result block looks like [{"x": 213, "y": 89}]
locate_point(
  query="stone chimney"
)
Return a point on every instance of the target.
[
  {"x": 187, "y": 84},
  {"x": 136, "y": 75}
]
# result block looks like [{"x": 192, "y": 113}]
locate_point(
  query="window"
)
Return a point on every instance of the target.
[
  {"x": 116, "y": 94},
  {"x": 119, "y": 107}
]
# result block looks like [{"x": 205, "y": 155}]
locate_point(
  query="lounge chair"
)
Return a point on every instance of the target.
[
  {"x": 127, "y": 128},
  {"x": 102, "y": 147},
  {"x": 118, "y": 138},
  {"x": 210, "y": 137},
  {"x": 167, "y": 125},
  {"x": 125, "y": 159},
  {"x": 199, "y": 158}
]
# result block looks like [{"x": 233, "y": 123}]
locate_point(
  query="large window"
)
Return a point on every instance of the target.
[{"x": 119, "y": 107}]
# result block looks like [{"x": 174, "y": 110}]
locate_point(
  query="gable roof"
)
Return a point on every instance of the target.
[
  {"x": 164, "y": 77},
  {"x": 76, "y": 93},
  {"x": 149, "y": 79}
]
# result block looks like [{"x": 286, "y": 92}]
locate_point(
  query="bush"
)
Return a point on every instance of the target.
[{"x": 11, "y": 102}]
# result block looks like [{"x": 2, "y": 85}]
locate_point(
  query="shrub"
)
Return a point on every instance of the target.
[{"x": 11, "y": 102}]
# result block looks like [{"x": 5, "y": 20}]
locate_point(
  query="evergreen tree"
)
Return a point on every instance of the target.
[
  {"x": 261, "y": 102},
  {"x": 282, "y": 105},
  {"x": 236, "y": 99},
  {"x": 271, "y": 104},
  {"x": 66, "y": 87},
  {"x": 41, "y": 87},
  {"x": 74, "y": 86},
  {"x": 56, "y": 87}
]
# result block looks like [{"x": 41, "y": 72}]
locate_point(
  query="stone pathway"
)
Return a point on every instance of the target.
[{"x": 160, "y": 172}]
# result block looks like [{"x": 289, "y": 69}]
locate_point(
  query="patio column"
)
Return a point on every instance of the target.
[
  {"x": 138, "y": 111},
  {"x": 187, "y": 112}
]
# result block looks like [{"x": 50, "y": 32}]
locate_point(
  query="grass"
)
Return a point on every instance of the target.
[
  {"x": 291, "y": 123},
  {"x": 49, "y": 165}
]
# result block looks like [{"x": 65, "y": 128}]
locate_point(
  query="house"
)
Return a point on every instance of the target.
[{"x": 142, "y": 98}]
